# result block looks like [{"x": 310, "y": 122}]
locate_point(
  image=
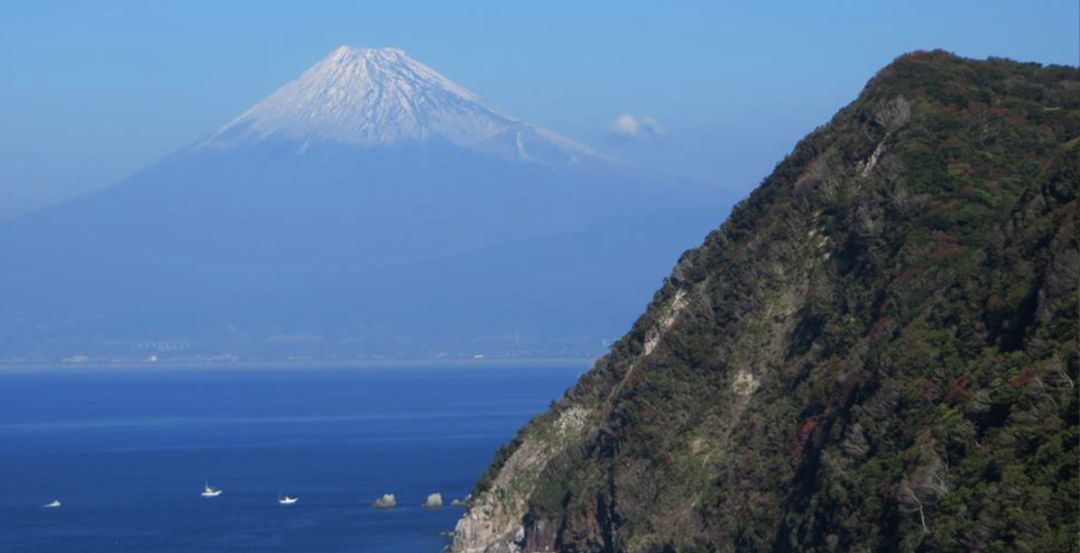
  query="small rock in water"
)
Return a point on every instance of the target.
[
  {"x": 434, "y": 501},
  {"x": 459, "y": 502},
  {"x": 387, "y": 501}
]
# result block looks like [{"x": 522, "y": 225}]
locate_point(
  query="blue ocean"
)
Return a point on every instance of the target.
[{"x": 127, "y": 453}]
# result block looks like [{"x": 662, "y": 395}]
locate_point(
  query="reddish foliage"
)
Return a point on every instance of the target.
[
  {"x": 943, "y": 237},
  {"x": 955, "y": 88},
  {"x": 806, "y": 429},
  {"x": 1022, "y": 379},
  {"x": 947, "y": 250},
  {"x": 977, "y": 107},
  {"x": 958, "y": 390},
  {"x": 882, "y": 326},
  {"x": 952, "y": 142},
  {"x": 916, "y": 55},
  {"x": 910, "y": 273},
  {"x": 945, "y": 243},
  {"x": 994, "y": 302},
  {"x": 910, "y": 326}
]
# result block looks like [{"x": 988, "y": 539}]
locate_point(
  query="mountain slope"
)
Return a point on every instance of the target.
[
  {"x": 370, "y": 207},
  {"x": 876, "y": 351},
  {"x": 382, "y": 97}
]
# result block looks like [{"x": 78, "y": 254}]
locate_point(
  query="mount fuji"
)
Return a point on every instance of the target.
[
  {"x": 371, "y": 207},
  {"x": 382, "y": 97}
]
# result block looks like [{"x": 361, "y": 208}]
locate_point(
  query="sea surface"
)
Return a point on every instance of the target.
[{"x": 127, "y": 453}]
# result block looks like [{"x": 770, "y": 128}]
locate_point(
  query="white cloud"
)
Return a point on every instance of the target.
[{"x": 628, "y": 126}]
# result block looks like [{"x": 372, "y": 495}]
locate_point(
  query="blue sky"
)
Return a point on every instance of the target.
[{"x": 95, "y": 90}]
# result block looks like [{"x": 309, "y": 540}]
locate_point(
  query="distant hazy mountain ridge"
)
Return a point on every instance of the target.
[{"x": 370, "y": 207}]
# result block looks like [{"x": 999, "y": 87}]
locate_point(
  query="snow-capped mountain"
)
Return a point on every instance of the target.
[
  {"x": 382, "y": 97},
  {"x": 370, "y": 207}
]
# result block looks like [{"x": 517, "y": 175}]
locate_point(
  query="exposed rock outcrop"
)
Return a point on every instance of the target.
[
  {"x": 387, "y": 501},
  {"x": 494, "y": 521}
]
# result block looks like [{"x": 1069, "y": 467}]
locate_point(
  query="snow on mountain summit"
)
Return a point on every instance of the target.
[{"x": 371, "y": 97}]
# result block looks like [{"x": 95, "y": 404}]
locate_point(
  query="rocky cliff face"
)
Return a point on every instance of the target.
[{"x": 877, "y": 351}]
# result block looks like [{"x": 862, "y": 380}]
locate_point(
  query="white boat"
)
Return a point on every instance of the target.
[
  {"x": 288, "y": 500},
  {"x": 210, "y": 492},
  {"x": 53, "y": 505}
]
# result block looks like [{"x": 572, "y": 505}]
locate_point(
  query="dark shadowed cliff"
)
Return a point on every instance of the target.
[{"x": 877, "y": 351}]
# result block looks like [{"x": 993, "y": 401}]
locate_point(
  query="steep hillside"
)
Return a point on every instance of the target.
[{"x": 877, "y": 351}]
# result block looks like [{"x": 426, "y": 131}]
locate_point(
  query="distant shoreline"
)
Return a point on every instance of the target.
[{"x": 336, "y": 364}]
